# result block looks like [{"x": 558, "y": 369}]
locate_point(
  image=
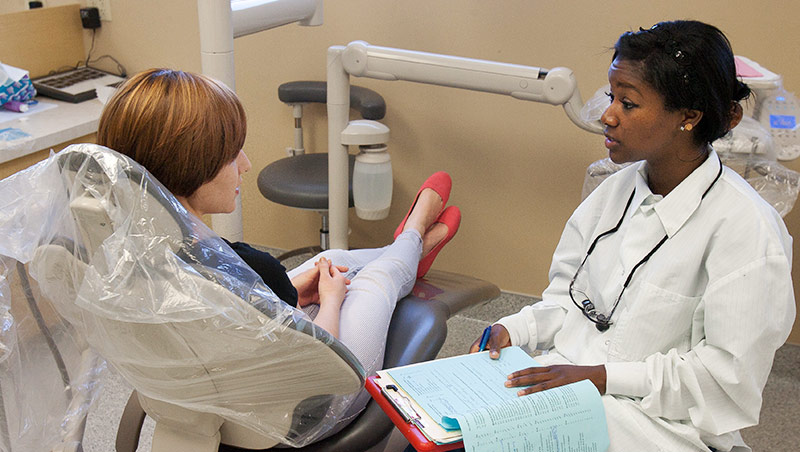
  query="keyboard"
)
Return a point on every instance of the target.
[{"x": 75, "y": 85}]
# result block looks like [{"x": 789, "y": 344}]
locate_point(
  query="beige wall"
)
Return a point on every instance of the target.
[{"x": 517, "y": 167}]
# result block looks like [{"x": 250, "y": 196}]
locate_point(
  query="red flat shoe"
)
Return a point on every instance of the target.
[
  {"x": 439, "y": 182},
  {"x": 450, "y": 217}
]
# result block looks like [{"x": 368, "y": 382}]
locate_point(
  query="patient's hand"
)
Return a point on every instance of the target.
[
  {"x": 332, "y": 287},
  {"x": 307, "y": 285},
  {"x": 332, "y": 283}
]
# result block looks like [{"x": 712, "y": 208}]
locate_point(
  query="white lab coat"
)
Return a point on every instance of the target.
[{"x": 694, "y": 336}]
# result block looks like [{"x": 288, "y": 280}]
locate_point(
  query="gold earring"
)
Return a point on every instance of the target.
[{"x": 687, "y": 127}]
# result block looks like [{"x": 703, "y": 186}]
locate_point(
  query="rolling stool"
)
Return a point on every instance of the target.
[{"x": 301, "y": 180}]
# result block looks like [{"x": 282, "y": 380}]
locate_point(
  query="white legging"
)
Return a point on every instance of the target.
[{"x": 380, "y": 277}]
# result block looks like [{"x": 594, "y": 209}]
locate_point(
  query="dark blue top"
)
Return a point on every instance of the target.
[{"x": 270, "y": 269}]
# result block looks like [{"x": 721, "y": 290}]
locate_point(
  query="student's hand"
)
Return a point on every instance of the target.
[
  {"x": 498, "y": 339},
  {"x": 332, "y": 283},
  {"x": 307, "y": 284},
  {"x": 542, "y": 378}
]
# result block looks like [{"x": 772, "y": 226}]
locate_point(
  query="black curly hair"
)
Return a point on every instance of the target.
[{"x": 691, "y": 65}]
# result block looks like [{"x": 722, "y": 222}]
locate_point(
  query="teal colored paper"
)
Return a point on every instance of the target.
[
  {"x": 448, "y": 387},
  {"x": 468, "y": 393},
  {"x": 569, "y": 418}
]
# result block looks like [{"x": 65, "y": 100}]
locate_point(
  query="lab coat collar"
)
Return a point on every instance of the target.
[{"x": 675, "y": 209}]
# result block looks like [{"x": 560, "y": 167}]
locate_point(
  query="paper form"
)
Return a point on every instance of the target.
[
  {"x": 447, "y": 387},
  {"x": 467, "y": 392},
  {"x": 569, "y": 418}
]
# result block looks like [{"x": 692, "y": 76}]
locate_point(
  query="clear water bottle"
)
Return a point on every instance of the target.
[{"x": 372, "y": 182}]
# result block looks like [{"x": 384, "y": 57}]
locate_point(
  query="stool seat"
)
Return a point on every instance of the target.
[{"x": 300, "y": 181}]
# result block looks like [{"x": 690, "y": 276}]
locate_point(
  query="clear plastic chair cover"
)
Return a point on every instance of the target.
[{"x": 100, "y": 263}]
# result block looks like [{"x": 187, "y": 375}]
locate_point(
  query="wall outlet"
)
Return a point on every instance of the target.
[{"x": 103, "y": 6}]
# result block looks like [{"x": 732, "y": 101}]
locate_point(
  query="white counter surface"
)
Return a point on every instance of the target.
[{"x": 50, "y": 127}]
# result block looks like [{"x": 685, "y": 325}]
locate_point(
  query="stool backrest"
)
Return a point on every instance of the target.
[{"x": 368, "y": 103}]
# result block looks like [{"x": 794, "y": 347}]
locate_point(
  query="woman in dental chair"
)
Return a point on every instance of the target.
[
  {"x": 670, "y": 288},
  {"x": 188, "y": 131}
]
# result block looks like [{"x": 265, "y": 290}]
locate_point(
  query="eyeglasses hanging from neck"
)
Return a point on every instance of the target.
[{"x": 600, "y": 320}]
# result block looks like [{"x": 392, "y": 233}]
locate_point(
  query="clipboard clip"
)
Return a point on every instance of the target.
[{"x": 402, "y": 404}]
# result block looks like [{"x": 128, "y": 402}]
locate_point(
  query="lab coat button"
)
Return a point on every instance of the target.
[{"x": 608, "y": 342}]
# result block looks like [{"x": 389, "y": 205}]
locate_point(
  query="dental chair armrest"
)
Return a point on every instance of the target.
[
  {"x": 364, "y": 100},
  {"x": 455, "y": 291}
]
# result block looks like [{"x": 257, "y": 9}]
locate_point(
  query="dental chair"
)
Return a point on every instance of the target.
[
  {"x": 416, "y": 334},
  {"x": 301, "y": 180},
  {"x": 215, "y": 358}
]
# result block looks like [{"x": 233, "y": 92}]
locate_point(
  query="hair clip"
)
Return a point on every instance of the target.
[{"x": 673, "y": 49}]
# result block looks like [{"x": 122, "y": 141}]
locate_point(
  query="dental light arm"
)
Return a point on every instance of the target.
[
  {"x": 555, "y": 86},
  {"x": 220, "y": 21},
  {"x": 252, "y": 16}
]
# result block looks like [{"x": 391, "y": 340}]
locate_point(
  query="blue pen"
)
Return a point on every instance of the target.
[{"x": 485, "y": 338}]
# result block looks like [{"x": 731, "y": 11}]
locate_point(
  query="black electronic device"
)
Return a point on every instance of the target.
[
  {"x": 75, "y": 85},
  {"x": 90, "y": 18}
]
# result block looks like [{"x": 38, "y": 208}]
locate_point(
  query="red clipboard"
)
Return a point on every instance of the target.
[{"x": 410, "y": 431}]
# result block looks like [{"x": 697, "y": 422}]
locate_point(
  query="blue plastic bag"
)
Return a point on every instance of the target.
[{"x": 15, "y": 84}]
